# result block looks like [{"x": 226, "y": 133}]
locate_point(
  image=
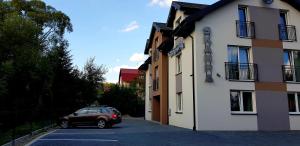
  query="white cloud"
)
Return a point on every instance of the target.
[
  {"x": 161, "y": 3},
  {"x": 137, "y": 57},
  {"x": 116, "y": 69},
  {"x": 131, "y": 27}
]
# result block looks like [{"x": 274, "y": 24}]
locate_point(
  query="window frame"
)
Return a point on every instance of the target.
[
  {"x": 291, "y": 54},
  {"x": 245, "y": 10},
  {"x": 241, "y": 105},
  {"x": 179, "y": 111},
  {"x": 297, "y": 103},
  {"x": 179, "y": 63}
]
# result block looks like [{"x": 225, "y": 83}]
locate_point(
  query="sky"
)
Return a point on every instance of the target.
[{"x": 112, "y": 31}]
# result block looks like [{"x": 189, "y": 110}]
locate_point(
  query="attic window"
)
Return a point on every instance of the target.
[{"x": 178, "y": 21}]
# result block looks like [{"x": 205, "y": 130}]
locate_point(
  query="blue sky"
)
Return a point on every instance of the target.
[{"x": 112, "y": 31}]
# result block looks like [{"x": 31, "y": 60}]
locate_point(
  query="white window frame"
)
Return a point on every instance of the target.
[
  {"x": 296, "y": 96},
  {"x": 179, "y": 95},
  {"x": 241, "y": 98},
  {"x": 292, "y": 61},
  {"x": 179, "y": 64},
  {"x": 250, "y": 59}
]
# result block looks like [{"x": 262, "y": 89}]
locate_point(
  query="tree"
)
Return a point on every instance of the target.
[{"x": 94, "y": 76}]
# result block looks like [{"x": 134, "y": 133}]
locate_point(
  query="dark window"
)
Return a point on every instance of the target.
[
  {"x": 235, "y": 101},
  {"x": 247, "y": 101},
  {"x": 292, "y": 102}
]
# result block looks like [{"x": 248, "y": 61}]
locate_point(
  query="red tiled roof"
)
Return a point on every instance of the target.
[{"x": 128, "y": 75}]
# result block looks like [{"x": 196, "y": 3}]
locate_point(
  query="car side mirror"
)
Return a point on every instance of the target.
[{"x": 75, "y": 114}]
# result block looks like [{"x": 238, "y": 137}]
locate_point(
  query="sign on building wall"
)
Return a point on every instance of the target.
[
  {"x": 208, "y": 55},
  {"x": 179, "y": 45}
]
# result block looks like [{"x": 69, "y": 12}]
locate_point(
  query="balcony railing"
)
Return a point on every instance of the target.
[
  {"x": 291, "y": 73},
  {"x": 241, "y": 71},
  {"x": 287, "y": 33},
  {"x": 155, "y": 84},
  {"x": 245, "y": 29}
]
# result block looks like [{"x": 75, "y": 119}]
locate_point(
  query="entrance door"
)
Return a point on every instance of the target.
[{"x": 156, "y": 108}]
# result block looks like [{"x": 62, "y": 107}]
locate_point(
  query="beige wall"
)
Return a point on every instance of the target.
[
  {"x": 213, "y": 99},
  {"x": 148, "y": 111},
  {"x": 185, "y": 119}
]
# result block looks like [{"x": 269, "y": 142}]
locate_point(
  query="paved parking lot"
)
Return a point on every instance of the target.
[{"x": 142, "y": 133}]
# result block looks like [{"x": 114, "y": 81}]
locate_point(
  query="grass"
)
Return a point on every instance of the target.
[{"x": 6, "y": 136}]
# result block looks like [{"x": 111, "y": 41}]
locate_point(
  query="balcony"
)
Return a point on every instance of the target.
[
  {"x": 245, "y": 29},
  {"x": 155, "y": 84},
  {"x": 287, "y": 33},
  {"x": 291, "y": 73},
  {"x": 241, "y": 71}
]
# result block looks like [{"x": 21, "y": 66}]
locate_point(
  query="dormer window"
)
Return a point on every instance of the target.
[{"x": 178, "y": 21}]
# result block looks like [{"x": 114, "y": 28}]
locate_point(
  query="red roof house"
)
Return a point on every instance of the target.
[{"x": 126, "y": 76}]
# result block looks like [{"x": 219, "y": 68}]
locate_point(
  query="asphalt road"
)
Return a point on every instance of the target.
[{"x": 136, "y": 132}]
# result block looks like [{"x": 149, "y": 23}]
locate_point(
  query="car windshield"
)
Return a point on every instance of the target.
[{"x": 82, "y": 111}]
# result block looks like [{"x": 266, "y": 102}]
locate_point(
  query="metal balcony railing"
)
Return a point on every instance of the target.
[
  {"x": 287, "y": 33},
  {"x": 291, "y": 73},
  {"x": 241, "y": 71},
  {"x": 245, "y": 29},
  {"x": 155, "y": 84}
]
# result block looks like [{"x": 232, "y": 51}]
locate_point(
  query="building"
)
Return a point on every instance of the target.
[
  {"x": 235, "y": 65},
  {"x": 158, "y": 73},
  {"x": 127, "y": 76},
  {"x": 145, "y": 69}
]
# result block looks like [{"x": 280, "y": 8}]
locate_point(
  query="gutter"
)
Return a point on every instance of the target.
[{"x": 193, "y": 76}]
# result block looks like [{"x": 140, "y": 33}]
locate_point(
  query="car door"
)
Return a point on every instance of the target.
[
  {"x": 79, "y": 117},
  {"x": 93, "y": 114}
]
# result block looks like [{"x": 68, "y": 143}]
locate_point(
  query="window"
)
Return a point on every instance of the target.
[
  {"x": 294, "y": 103},
  {"x": 178, "y": 21},
  {"x": 150, "y": 104},
  {"x": 238, "y": 66},
  {"x": 156, "y": 51},
  {"x": 291, "y": 68},
  {"x": 179, "y": 101},
  {"x": 178, "y": 64},
  {"x": 156, "y": 79},
  {"x": 93, "y": 110},
  {"x": 282, "y": 25},
  {"x": 242, "y": 22},
  {"x": 286, "y": 32},
  {"x": 82, "y": 111},
  {"x": 242, "y": 102}
]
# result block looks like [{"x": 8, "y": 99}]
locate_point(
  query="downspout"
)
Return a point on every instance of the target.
[{"x": 193, "y": 76}]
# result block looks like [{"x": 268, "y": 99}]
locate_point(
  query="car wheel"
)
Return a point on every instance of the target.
[
  {"x": 64, "y": 124},
  {"x": 101, "y": 124}
]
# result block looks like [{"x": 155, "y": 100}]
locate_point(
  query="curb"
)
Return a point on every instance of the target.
[{"x": 24, "y": 139}]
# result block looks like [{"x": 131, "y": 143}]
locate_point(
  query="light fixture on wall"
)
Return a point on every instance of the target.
[{"x": 268, "y": 1}]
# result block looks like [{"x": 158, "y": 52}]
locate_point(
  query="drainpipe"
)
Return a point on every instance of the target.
[{"x": 193, "y": 76}]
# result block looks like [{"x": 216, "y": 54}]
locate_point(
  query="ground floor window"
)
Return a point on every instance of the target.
[
  {"x": 179, "y": 101},
  {"x": 242, "y": 101},
  {"x": 150, "y": 104},
  {"x": 294, "y": 103}
]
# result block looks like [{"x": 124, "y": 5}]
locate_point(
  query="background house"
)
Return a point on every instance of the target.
[{"x": 127, "y": 76}]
